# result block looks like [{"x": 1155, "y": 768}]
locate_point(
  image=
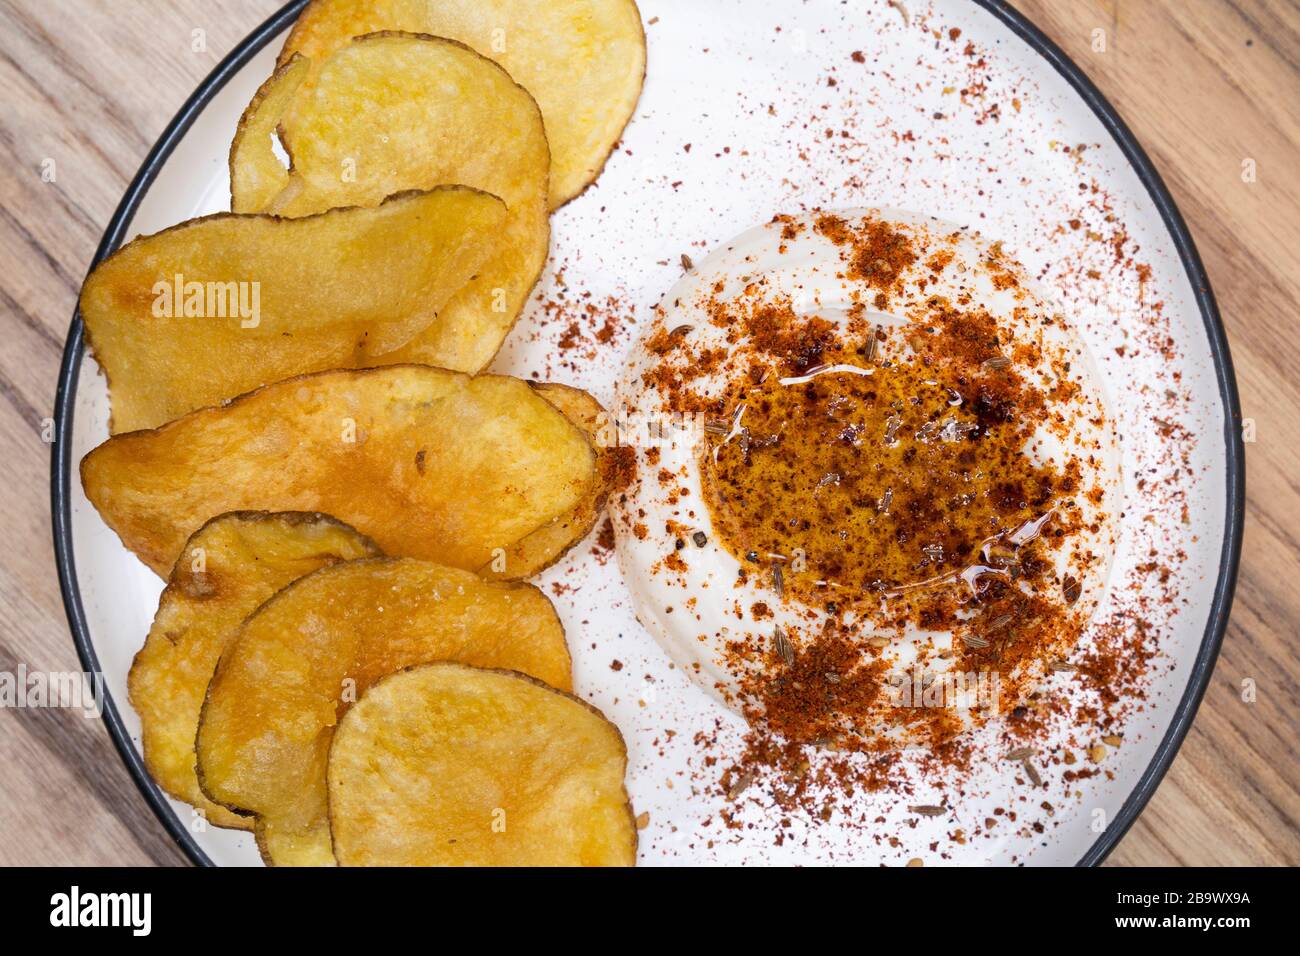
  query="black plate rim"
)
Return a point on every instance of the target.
[{"x": 61, "y": 471}]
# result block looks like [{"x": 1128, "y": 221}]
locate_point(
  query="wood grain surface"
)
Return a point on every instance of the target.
[{"x": 1205, "y": 84}]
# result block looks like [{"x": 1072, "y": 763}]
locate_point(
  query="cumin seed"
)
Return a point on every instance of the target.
[
  {"x": 784, "y": 649},
  {"x": 739, "y": 785}
]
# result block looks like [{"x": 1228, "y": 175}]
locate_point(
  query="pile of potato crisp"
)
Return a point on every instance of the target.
[{"x": 346, "y": 659}]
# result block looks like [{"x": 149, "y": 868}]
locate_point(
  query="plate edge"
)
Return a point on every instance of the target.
[
  {"x": 64, "y": 408},
  {"x": 1235, "y": 472}
]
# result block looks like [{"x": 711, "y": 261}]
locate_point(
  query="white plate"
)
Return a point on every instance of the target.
[{"x": 745, "y": 84}]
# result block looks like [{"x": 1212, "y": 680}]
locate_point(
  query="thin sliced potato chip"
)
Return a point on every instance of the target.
[
  {"x": 445, "y": 764},
  {"x": 429, "y": 463},
  {"x": 551, "y": 541},
  {"x": 582, "y": 60},
  {"x": 256, "y": 173},
  {"x": 216, "y": 306},
  {"x": 228, "y": 568},
  {"x": 313, "y": 649},
  {"x": 394, "y": 111}
]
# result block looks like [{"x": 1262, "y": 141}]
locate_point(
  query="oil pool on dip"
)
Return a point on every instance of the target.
[{"x": 877, "y": 480}]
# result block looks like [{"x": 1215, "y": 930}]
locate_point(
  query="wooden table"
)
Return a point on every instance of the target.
[{"x": 1205, "y": 84}]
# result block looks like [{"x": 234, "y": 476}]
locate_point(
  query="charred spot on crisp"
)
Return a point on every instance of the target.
[{"x": 199, "y": 585}]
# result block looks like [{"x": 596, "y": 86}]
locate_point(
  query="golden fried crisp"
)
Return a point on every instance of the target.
[
  {"x": 551, "y": 541},
  {"x": 392, "y": 112},
  {"x": 429, "y": 463},
  {"x": 313, "y": 649},
  {"x": 256, "y": 173},
  {"x": 227, "y": 569},
  {"x": 445, "y": 764},
  {"x": 214, "y": 307},
  {"x": 582, "y": 60}
]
